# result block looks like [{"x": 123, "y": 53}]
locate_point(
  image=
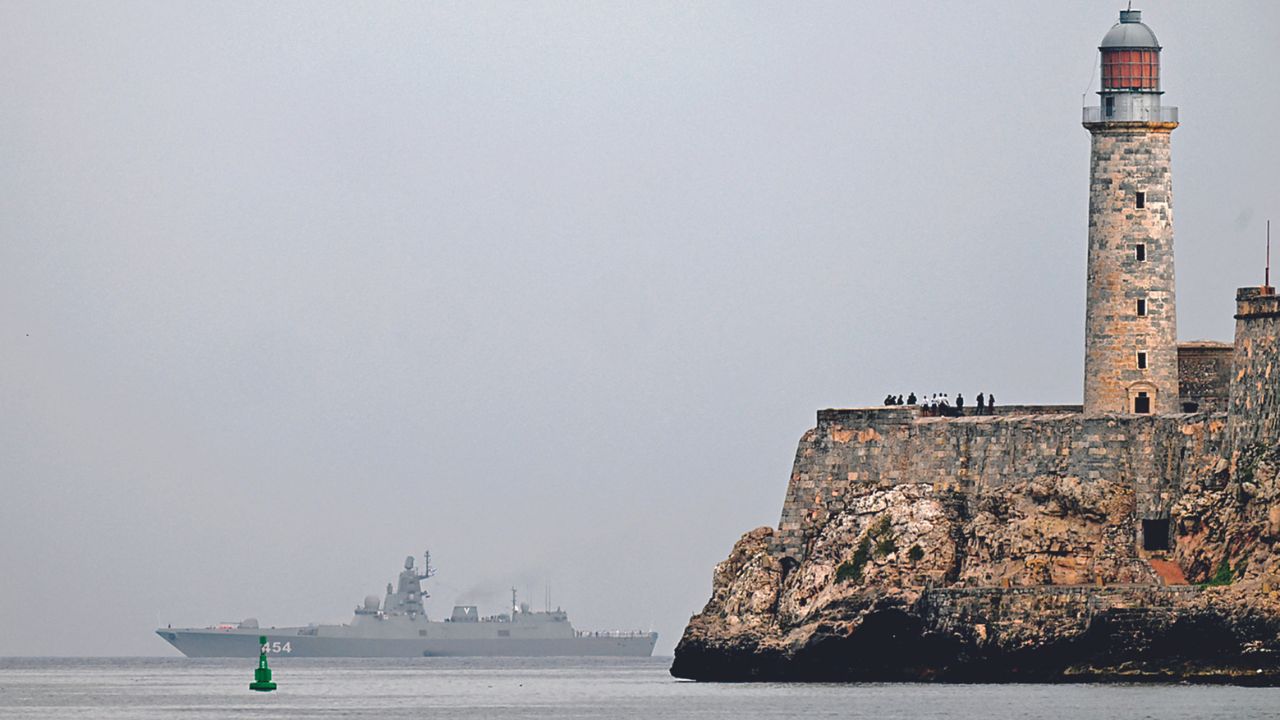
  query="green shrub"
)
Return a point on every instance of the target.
[
  {"x": 885, "y": 546},
  {"x": 1223, "y": 576},
  {"x": 848, "y": 573},
  {"x": 882, "y": 534},
  {"x": 1250, "y": 459},
  {"x": 881, "y": 527},
  {"x": 915, "y": 553},
  {"x": 1245, "y": 474},
  {"x": 851, "y": 571}
]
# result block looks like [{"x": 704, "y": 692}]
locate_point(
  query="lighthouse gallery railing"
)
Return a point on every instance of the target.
[{"x": 1093, "y": 114}]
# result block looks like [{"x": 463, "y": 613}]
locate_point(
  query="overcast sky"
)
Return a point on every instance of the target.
[{"x": 290, "y": 290}]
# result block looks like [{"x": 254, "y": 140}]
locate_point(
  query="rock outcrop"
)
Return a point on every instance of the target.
[{"x": 889, "y": 568}]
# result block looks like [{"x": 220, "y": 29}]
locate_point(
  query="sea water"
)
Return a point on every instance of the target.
[{"x": 132, "y": 688}]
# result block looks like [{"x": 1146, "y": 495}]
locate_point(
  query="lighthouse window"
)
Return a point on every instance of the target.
[
  {"x": 1142, "y": 361},
  {"x": 1142, "y": 308},
  {"x": 1141, "y": 252},
  {"x": 1142, "y": 199}
]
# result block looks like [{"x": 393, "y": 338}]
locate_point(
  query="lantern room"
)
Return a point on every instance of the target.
[
  {"x": 1130, "y": 75},
  {"x": 1130, "y": 56}
]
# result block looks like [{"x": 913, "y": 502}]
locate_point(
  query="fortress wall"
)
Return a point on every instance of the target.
[
  {"x": 1204, "y": 374},
  {"x": 1255, "y": 382},
  {"x": 1030, "y": 410},
  {"x": 852, "y": 450}
]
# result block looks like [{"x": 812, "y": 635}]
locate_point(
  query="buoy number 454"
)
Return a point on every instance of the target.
[{"x": 277, "y": 647}]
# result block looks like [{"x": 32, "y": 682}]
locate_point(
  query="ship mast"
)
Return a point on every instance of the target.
[{"x": 427, "y": 571}]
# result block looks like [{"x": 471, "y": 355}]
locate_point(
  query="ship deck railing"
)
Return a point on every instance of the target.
[{"x": 612, "y": 633}]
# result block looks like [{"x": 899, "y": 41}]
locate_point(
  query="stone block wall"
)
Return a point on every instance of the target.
[
  {"x": 1127, "y": 159},
  {"x": 1204, "y": 374},
  {"x": 1034, "y": 409},
  {"x": 881, "y": 447},
  {"x": 1255, "y": 383},
  {"x": 972, "y": 410}
]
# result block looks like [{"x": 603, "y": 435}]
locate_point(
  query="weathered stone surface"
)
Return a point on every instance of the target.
[
  {"x": 1255, "y": 382},
  {"x": 892, "y": 564},
  {"x": 1128, "y": 159},
  {"x": 851, "y": 450},
  {"x": 1204, "y": 375}
]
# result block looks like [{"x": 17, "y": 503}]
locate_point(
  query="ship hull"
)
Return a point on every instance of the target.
[{"x": 244, "y": 643}]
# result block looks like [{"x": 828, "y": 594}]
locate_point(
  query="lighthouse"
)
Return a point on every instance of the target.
[{"x": 1131, "y": 338}]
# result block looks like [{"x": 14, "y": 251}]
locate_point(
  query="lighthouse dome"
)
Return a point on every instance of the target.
[{"x": 1130, "y": 32}]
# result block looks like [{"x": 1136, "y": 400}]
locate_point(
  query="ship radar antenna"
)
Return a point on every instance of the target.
[
  {"x": 514, "y": 607},
  {"x": 427, "y": 570}
]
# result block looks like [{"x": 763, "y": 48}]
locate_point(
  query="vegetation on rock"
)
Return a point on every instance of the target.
[
  {"x": 851, "y": 571},
  {"x": 1223, "y": 576}
]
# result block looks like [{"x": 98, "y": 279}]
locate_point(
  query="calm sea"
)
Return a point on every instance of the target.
[{"x": 552, "y": 688}]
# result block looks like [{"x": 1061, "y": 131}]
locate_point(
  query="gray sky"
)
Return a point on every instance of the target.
[{"x": 291, "y": 290}]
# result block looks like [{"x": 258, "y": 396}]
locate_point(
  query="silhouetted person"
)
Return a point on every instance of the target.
[
  {"x": 982, "y": 404},
  {"x": 888, "y": 399},
  {"x": 959, "y": 404},
  {"x": 911, "y": 399},
  {"x": 991, "y": 404},
  {"x": 898, "y": 401}
]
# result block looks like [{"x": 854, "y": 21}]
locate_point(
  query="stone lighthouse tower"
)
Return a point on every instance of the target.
[{"x": 1131, "y": 339}]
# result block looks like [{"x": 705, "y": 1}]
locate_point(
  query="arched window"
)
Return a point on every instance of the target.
[{"x": 1142, "y": 398}]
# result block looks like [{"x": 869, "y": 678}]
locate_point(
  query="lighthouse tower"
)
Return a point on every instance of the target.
[{"x": 1131, "y": 338}]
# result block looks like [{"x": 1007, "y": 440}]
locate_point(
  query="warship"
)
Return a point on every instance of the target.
[{"x": 398, "y": 626}]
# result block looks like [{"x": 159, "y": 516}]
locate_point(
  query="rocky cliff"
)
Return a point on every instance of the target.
[{"x": 1005, "y": 549}]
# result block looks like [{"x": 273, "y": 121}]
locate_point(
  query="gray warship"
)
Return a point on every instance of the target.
[{"x": 398, "y": 627}]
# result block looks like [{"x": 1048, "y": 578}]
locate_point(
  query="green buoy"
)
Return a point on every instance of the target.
[{"x": 262, "y": 676}]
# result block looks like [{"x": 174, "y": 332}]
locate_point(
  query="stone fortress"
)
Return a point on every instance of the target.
[{"x": 1129, "y": 537}]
